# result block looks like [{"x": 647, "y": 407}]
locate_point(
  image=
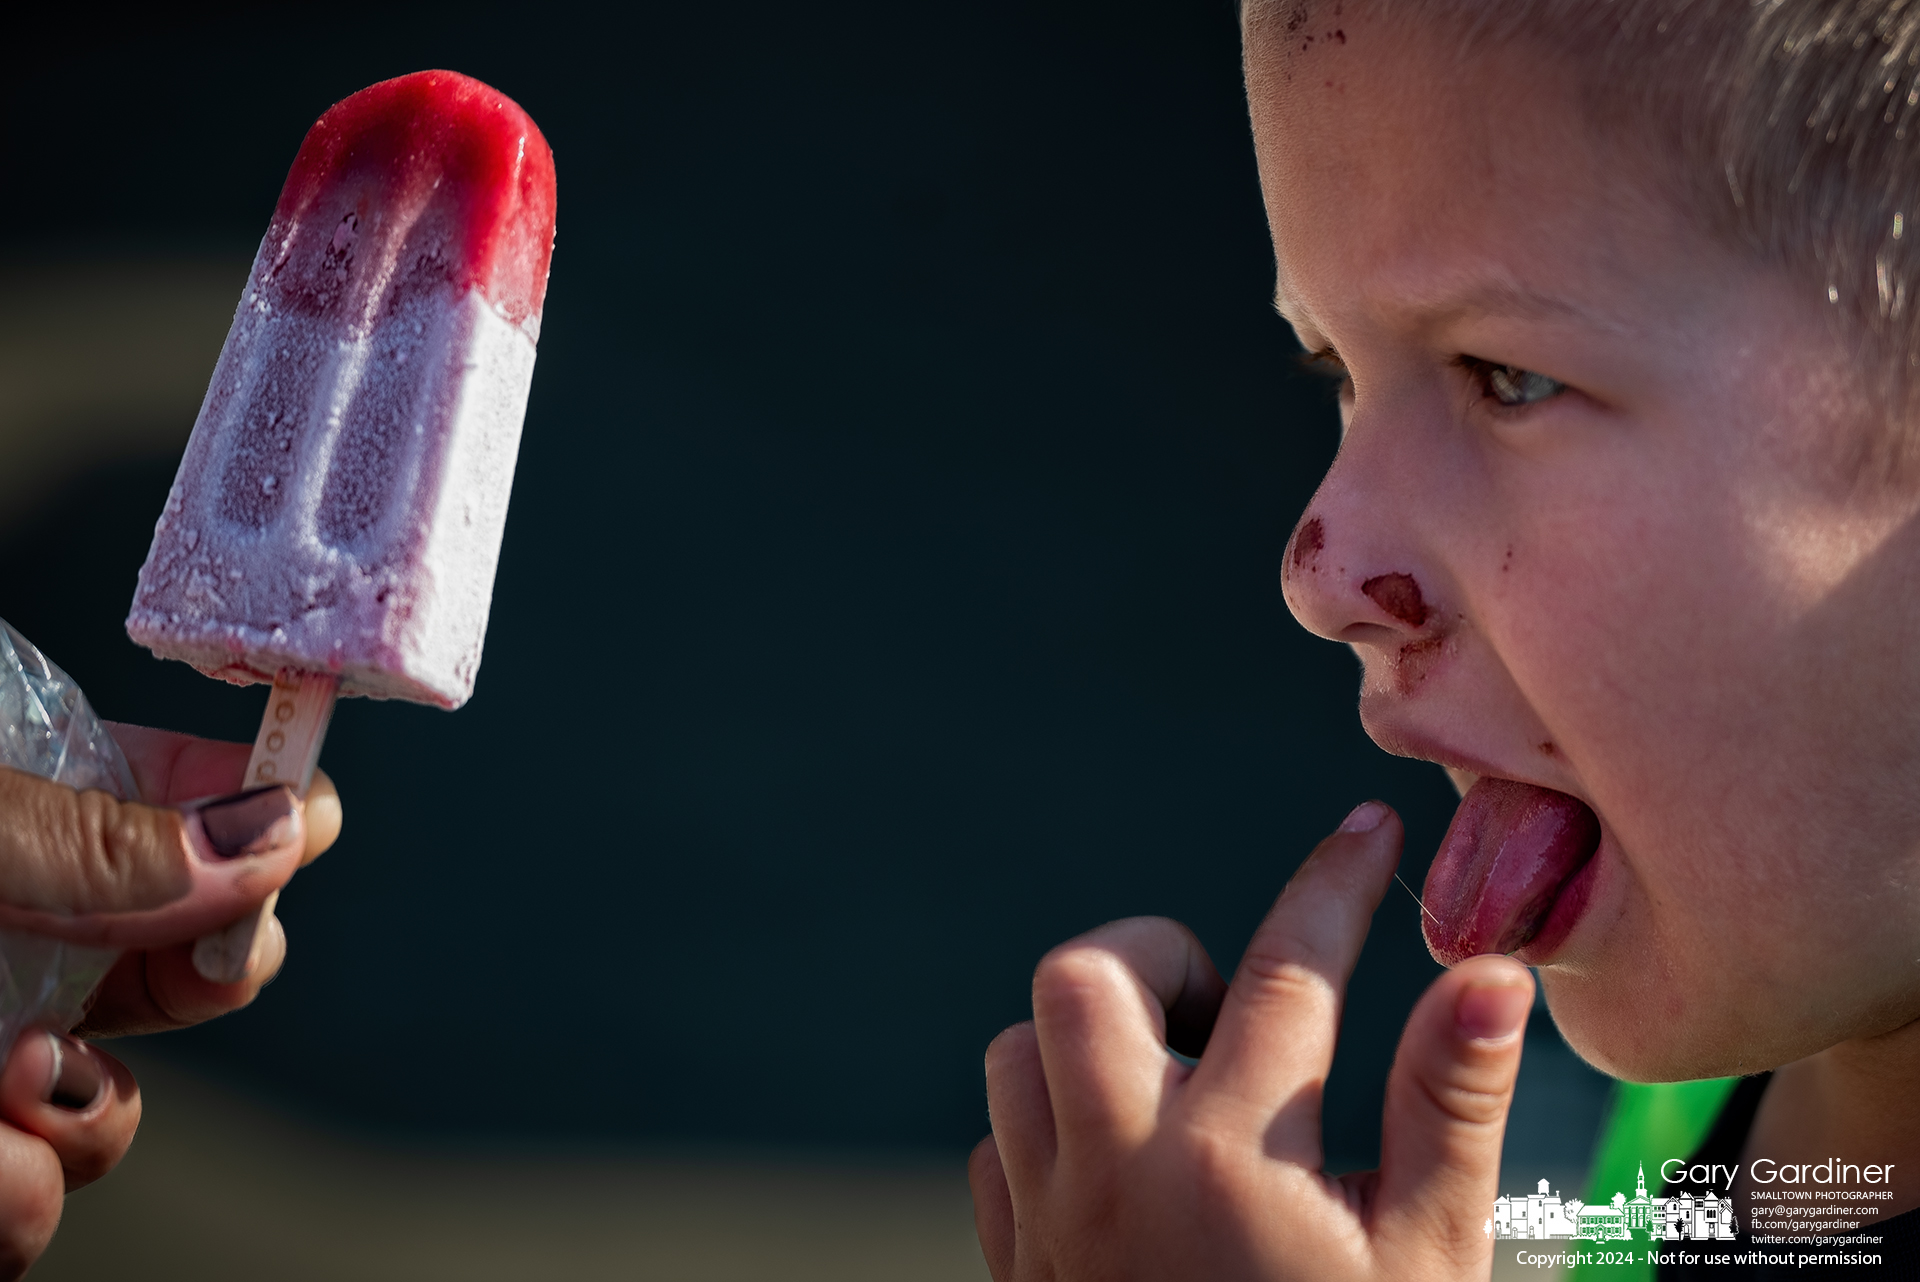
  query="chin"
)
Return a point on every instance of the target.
[
  {"x": 1646, "y": 1016},
  {"x": 1636, "y": 1029}
]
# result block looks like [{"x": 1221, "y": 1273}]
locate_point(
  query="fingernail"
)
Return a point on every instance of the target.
[
  {"x": 76, "y": 1079},
  {"x": 1489, "y": 1012},
  {"x": 251, "y": 822},
  {"x": 1366, "y": 816}
]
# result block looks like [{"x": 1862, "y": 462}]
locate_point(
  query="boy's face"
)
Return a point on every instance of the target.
[{"x": 1663, "y": 590}]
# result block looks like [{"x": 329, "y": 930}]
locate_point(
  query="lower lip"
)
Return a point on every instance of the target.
[{"x": 1569, "y": 906}]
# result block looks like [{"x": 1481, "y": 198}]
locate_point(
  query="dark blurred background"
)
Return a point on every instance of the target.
[{"x": 891, "y": 589}]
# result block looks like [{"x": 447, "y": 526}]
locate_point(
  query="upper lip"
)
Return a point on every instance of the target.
[{"x": 1403, "y": 740}]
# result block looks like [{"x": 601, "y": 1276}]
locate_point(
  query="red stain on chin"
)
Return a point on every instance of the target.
[
  {"x": 1307, "y": 542},
  {"x": 1399, "y": 596}
]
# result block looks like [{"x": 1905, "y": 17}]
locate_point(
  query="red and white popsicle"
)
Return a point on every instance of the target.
[{"x": 336, "y": 520}]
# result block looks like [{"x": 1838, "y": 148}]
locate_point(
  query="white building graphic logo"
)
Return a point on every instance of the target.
[{"x": 1681, "y": 1217}]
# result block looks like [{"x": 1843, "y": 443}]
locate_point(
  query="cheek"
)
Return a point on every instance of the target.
[
  {"x": 1642, "y": 663},
  {"x": 1618, "y": 613},
  {"x": 1726, "y": 734}
]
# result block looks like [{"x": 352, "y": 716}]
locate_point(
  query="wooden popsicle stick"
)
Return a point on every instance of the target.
[{"x": 285, "y": 751}]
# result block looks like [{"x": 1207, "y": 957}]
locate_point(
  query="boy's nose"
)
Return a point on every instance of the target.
[{"x": 1342, "y": 587}]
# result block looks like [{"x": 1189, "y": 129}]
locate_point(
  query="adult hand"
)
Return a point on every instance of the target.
[
  {"x": 149, "y": 877},
  {"x": 1111, "y": 1159}
]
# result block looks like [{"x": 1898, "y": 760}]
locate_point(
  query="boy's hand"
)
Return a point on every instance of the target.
[{"x": 1110, "y": 1159}]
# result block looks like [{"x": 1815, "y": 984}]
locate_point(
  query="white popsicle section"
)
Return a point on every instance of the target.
[{"x": 342, "y": 500}]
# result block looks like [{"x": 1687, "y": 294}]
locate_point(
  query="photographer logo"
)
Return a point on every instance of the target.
[{"x": 1542, "y": 1216}]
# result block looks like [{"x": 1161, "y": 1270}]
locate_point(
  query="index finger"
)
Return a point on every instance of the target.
[
  {"x": 1100, "y": 1009},
  {"x": 1273, "y": 1043},
  {"x": 171, "y": 767}
]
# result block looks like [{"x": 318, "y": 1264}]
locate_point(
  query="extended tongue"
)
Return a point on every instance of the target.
[{"x": 1510, "y": 849}]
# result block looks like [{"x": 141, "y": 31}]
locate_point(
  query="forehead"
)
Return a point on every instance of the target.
[{"x": 1402, "y": 173}]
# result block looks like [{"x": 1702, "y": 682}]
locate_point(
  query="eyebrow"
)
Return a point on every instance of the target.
[{"x": 1489, "y": 297}]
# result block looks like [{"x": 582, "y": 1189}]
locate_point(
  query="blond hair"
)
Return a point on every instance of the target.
[{"x": 1796, "y": 125}]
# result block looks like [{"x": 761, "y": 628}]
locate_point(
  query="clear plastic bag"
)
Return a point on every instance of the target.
[{"x": 48, "y": 728}]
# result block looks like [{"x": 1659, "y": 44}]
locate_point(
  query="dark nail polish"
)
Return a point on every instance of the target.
[
  {"x": 251, "y": 822},
  {"x": 77, "y": 1078}
]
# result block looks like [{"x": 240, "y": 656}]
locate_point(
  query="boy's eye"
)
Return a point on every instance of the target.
[
  {"x": 1327, "y": 364},
  {"x": 1512, "y": 386}
]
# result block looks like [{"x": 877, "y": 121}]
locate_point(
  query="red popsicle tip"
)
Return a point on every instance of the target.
[{"x": 448, "y": 172}]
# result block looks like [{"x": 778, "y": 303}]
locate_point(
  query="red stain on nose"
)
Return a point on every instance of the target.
[
  {"x": 1307, "y": 542},
  {"x": 1399, "y": 596}
]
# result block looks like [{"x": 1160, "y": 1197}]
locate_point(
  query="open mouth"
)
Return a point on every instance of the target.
[{"x": 1511, "y": 851}]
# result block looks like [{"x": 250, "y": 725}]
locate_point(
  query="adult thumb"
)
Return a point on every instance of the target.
[
  {"x": 86, "y": 867},
  {"x": 1447, "y": 1101}
]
